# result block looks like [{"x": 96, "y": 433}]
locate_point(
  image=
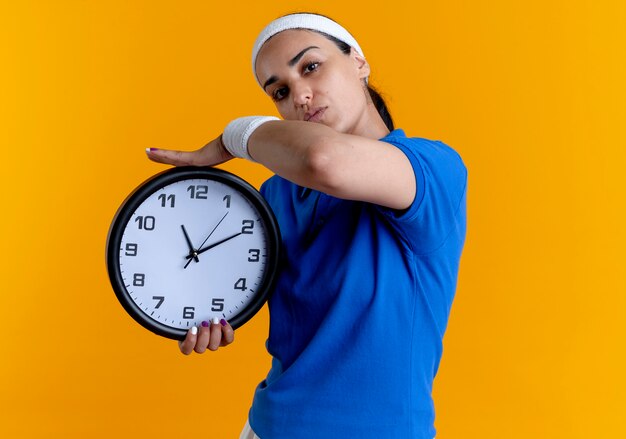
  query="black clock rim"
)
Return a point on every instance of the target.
[{"x": 157, "y": 182}]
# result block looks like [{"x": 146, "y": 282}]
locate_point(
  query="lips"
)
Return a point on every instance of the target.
[{"x": 315, "y": 115}]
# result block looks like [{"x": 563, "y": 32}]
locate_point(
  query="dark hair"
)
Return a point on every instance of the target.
[{"x": 377, "y": 99}]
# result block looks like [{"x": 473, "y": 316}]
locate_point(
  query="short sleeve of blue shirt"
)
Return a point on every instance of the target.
[
  {"x": 361, "y": 303},
  {"x": 441, "y": 178}
]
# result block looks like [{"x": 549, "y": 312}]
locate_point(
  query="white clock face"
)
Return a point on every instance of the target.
[{"x": 195, "y": 250}]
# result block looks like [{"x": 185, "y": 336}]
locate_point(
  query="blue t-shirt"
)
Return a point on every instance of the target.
[{"x": 361, "y": 304}]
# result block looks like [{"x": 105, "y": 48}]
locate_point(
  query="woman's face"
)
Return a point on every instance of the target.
[{"x": 310, "y": 79}]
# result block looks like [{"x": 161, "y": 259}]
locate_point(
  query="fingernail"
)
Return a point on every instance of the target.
[
  {"x": 223, "y": 322},
  {"x": 194, "y": 330},
  {"x": 216, "y": 321},
  {"x": 205, "y": 324},
  {"x": 149, "y": 150}
]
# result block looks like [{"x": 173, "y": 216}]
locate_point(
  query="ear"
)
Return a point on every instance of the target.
[{"x": 360, "y": 63}]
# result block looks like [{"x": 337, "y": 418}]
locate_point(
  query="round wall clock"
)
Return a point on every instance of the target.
[{"x": 189, "y": 245}]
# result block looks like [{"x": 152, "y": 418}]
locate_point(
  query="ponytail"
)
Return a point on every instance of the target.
[{"x": 380, "y": 105}]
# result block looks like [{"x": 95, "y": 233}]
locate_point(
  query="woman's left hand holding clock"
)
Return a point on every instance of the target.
[{"x": 211, "y": 335}]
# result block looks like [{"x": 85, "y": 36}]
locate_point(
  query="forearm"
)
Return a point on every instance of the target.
[{"x": 342, "y": 165}]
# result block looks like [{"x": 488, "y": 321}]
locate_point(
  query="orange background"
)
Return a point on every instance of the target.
[{"x": 530, "y": 93}]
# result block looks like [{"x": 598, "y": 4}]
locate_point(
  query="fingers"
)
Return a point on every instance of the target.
[
  {"x": 203, "y": 338},
  {"x": 176, "y": 158},
  {"x": 212, "y": 335},
  {"x": 213, "y": 153},
  {"x": 216, "y": 335},
  {"x": 222, "y": 334},
  {"x": 228, "y": 334},
  {"x": 187, "y": 345}
]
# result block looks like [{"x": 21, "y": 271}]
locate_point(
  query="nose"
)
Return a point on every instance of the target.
[{"x": 302, "y": 94}]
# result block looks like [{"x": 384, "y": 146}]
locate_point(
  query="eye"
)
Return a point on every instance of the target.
[
  {"x": 311, "y": 67},
  {"x": 280, "y": 93}
]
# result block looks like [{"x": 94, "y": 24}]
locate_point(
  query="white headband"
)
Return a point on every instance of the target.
[{"x": 302, "y": 21}]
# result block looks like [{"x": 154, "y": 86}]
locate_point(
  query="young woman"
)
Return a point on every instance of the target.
[{"x": 373, "y": 225}]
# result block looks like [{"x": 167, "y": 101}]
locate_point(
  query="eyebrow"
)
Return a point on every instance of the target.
[{"x": 292, "y": 62}]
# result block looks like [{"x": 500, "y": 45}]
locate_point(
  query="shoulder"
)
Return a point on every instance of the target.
[
  {"x": 431, "y": 159},
  {"x": 422, "y": 147}
]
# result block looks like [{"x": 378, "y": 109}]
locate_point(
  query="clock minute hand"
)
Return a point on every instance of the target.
[
  {"x": 209, "y": 247},
  {"x": 214, "y": 228}
]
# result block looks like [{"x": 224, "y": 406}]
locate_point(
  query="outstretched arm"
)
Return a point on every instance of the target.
[{"x": 316, "y": 156}]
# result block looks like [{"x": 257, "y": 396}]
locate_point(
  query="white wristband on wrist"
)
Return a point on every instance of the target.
[{"x": 237, "y": 133}]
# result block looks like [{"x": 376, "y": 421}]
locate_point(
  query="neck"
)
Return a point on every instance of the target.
[{"x": 371, "y": 125}]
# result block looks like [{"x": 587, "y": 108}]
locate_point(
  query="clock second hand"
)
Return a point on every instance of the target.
[{"x": 195, "y": 253}]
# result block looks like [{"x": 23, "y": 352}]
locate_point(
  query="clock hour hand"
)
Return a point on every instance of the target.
[
  {"x": 192, "y": 251},
  {"x": 209, "y": 247}
]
